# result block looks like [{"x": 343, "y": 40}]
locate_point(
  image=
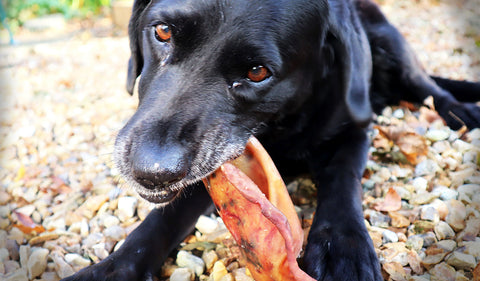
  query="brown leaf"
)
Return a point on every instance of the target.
[
  {"x": 392, "y": 202},
  {"x": 411, "y": 144},
  {"x": 27, "y": 225},
  {"x": 476, "y": 273}
]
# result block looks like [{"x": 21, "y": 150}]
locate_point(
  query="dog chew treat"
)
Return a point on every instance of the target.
[{"x": 255, "y": 206}]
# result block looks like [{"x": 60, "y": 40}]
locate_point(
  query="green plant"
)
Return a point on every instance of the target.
[{"x": 18, "y": 11}]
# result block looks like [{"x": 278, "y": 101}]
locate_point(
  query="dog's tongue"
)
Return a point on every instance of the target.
[{"x": 255, "y": 206}]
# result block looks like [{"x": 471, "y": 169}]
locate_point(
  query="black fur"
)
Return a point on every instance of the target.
[{"x": 331, "y": 63}]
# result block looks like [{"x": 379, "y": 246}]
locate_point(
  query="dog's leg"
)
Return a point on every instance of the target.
[
  {"x": 463, "y": 91},
  {"x": 339, "y": 246},
  {"x": 147, "y": 247},
  {"x": 398, "y": 75}
]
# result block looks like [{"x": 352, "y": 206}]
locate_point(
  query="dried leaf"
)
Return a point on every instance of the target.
[
  {"x": 411, "y": 144},
  {"x": 27, "y": 225},
  {"x": 392, "y": 202},
  {"x": 476, "y": 273}
]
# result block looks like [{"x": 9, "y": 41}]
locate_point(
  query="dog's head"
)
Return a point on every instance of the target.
[{"x": 212, "y": 73}]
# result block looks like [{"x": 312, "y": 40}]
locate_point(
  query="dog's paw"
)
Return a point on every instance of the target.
[
  {"x": 341, "y": 255},
  {"x": 458, "y": 114},
  {"x": 113, "y": 269}
]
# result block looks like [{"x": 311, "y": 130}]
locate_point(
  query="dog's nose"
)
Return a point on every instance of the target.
[{"x": 157, "y": 167}]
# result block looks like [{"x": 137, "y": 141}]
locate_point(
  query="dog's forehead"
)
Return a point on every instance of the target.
[{"x": 219, "y": 11}]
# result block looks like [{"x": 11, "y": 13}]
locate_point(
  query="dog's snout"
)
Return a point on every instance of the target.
[{"x": 158, "y": 167}]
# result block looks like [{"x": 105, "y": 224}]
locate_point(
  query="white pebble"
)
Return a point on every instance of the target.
[
  {"x": 437, "y": 134},
  {"x": 4, "y": 254},
  {"x": 182, "y": 274},
  {"x": 76, "y": 260},
  {"x": 185, "y": 259},
  {"x": 389, "y": 236},
  {"x": 37, "y": 262},
  {"x": 206, "y": 225},
  {"x": 426, "y": 167},
  {"x": 420, "y": 184},
  {"x": 115, "y": 232},
  {"x": 126, "y": 207}
]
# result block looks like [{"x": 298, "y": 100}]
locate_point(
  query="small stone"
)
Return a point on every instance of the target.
[
  {"x": 49, "y": 276},
  {"x": 100, "y": 251},
  {"x": 459, "y": 177},
  {"x": 447, "y": 245},
  {"x": 17, "y": 235},
  {"x": 4, "y": 254},
  {"x": 42, "y": 238},
  {"x": 378, "y": 219},
  {"x": 431, "y": 260},
  {"x": 389, "y": 236},
  {"x": 415, "y": 262},
  {"x": 442, "y": 271},
  {"x": 461, "y": 261},
  {"x": 414, "y": 242},
  {"x": 437, "y": 134},
  {"x": 11, "y": 266},
  {"x": 429, "y": 239},
  {"x": 27, "y": 210},
  {"x": 37, "y": 262},
  {"x": 398, "y": 220},
  {"x": 126, "y": 207},
  {"x": 456, "y": 214},
  {"x": 110, "y": 220},
  {"x": 206, "y": 224},
  {"x": 395, "y": 270},
  {"x": 4, "y": 197},
  {"x": 209, "y": 257},
  {"x": 469, "y": 189},
  {"x": 420, "y": 184},
  {"x": 115, "y": 232},
  {"x": 427, "y": 167},
  {"x": 471, "y": 247},
  {"x": 471, "y": 230},
  {"x": 93, "y": 239},
  {"x": 218, "y": 271},
  {"x": 441, "y": 208},
  {"x": 423, "y": 226},
  {"x": 462, "y": 146},
  {"x": 423, "y": 198},
  {"x": 76, "y": 260},
  {"x": 182, "y": 274},
  {"x": 24, "y": 252},
  {"x": 241, "y": 275},
  {"x": 62, "y": 268},
  {"x": 443, "y": 231},
  {"x": 185, "y": 259},
  {"x": 430, "y": 213},
  {"x": 18, "y": 275},
  {"x": 399, "y": 114}
]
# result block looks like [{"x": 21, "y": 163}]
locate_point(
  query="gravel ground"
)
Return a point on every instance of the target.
[{"x": 63, "y": 206}]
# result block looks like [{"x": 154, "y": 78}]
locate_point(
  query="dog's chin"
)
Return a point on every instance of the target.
[{"x": 162, "y": 197}]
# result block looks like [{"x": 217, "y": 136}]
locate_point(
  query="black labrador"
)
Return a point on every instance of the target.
[{"x": 303, "y": 76}]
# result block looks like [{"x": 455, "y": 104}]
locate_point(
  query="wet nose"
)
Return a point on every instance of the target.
[{"x": 159, "y": 166}]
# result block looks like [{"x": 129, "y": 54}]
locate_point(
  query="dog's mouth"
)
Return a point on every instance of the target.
[{"x": 163, "y": 196}]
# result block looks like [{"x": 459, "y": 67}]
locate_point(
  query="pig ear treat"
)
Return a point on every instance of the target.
[{"x": 254, "y": 204}]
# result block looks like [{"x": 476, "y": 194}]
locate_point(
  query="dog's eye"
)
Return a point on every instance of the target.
[
  {"x": 163, "y": 32},
  {"x": 258, "y": 73}
]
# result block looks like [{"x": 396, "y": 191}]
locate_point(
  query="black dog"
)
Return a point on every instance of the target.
[{"x": 300, "y": 75}]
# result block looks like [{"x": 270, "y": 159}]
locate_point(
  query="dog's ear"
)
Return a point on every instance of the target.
[
  {"x": 135, "y": 62},
  {"x": 353, "y": 55}
]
